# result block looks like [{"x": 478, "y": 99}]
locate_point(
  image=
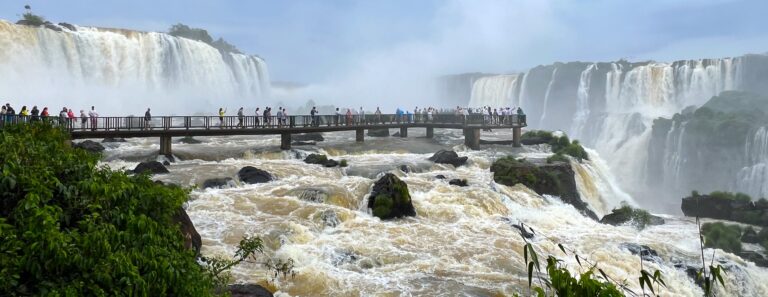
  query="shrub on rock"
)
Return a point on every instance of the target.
[{"x": 390, "y": 198}]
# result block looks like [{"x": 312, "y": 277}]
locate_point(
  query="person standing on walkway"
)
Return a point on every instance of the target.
[
  {"x": 285, "y": 117},
  {"x": 10, "y": 114},
  {"x": 83, "y": 118},
  {"x": 44, "y": 115},
  {"x": 362, "y": 115},
  {"x": 240, "y": 117},
  {"x": 2, "y": 115},
  {"x": 70, "y": 119},
  {"x": 24, "y": 114},
  {"x": 94, "y": 118},
  {"x": 63, "y": 117},
  {"x": 337, "y": 119},
  {"x": 279, "y": 116},
  {"x": 35, "y": 113},
  {"x": 147, "y": 120},
  {"x": 256, "y": 120},
  {"x": 378, "y": 115},
  {"x": 312, "y": 114},
  {"x": 222, "y": 112}
]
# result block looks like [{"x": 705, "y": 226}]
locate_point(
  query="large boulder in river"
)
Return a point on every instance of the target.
[
  {"x": 90, "y": 145},
  {"x": 192, "y": 239},
  {"x": 448, "y": 157},
  {"x": 321, "y": 159},
  {"x": 556, "y": 179},
  {"x": 153, "y": 167},
  {"x": 189, "y": 140},
  {"x": 112, "y": 139},
  {"x": 308, "y": 137},
  {"x": 390, "y": 198},
  {"x": 248, "y": 290},
  {"x": 253, "y": 175},
  {"x": 378, "y": 132},
  {"x": 630, "y": 215},
  {"x": 458, "y": 182},
  {"x": 218, "y": 183},
  {"x": 726, "y": 206}
]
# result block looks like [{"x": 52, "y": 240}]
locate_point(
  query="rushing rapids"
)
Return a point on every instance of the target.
[
  {"x": 460, "y": 242},
  {"x": 611, "y": 106},
  {"x": 123, "y": 71}
]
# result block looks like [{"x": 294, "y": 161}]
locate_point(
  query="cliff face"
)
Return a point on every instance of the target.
[{"x": 714, "y": 147}]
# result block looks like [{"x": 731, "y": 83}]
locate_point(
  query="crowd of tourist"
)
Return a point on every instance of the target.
[{"x": 265, "y": 117}]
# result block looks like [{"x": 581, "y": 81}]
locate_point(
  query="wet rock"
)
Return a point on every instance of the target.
[
  {"x": 319, "y": 159},
  {"x": 556, "y": 179},
  {"x": 378, "y": 132},
  {"x": 112, "y": 140},
  {"x": 404, "y": 168},
  {"x": 166, "y": 163},
  {"x": 25, "y": 23},
  {"x": 304, "y": 143},
  {"x": 626, "y": 214},
  {"x": 448, "y": 157},
  {"x": 330, "y": 218},
  {"x": 725, "y": 208},
  {"x": 313, "y": 195},
  {"x": 341, "y": 257},
  {"x": 248, "y": 290},
  {"x": 397, "y": 134},
  {"x": 645, "y": 252},
  {"x": 317, "y": 137},
  {"x": 90, "y": 145},
  {"x": 189, "y": 140},
  {"x": 69, "y": 27},
  {"x": 390, "y": 198},
  {"x": 458, "y": 182},
  {"x": 754, "y": 257},
  {"x": 331, "y": 163},
  {"x": 153, "y": 167},
  {"x": 750, "y": 236},
  {"x": 218, "y": 183},
  {"x": 53, "y": 27},
  {"x": 440, "y": 176},
  {"x": 253, "y": 175},
  {"x": 192, "y": 239}
]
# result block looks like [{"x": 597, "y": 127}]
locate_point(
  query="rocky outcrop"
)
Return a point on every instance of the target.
[
  {"x": 440, "y": 176},
  {"x": 189, "y": 140},
  {"x": 645, "y": 252},
  {"x": 629, "y": 215},
  {"x": 320, "y": 159},
  {"x": 253, "y": 175},
  {"x": 69, "y": 26},
  {"x": 723, "y": 206},
  {"x": 90, "y": 145},
  {"x": 378, "y": 132},
  {"x": 317, "y": 137},
  {"x": 153, "y": 167},
  {"x": 555, "y": 179},
  {"x": 218, "y": 183},
  {"x": 404, "y": 168},
  {"x": 192, "y": 239},
  {"x": 248, "y": 290},
  {"x": 458, "y": 182},
  {"x": 390, "y": 198},
  {"x": 111, "y": 140},
  {"x": 448, "y": 157}
]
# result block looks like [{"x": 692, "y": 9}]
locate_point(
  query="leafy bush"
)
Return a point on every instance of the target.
[
  {"x": 640, "y": 218},
  {"x": 33, "y": 19},
  {"x": 70, "y": 228},
  {"x": 722, "y": 236},
  {"x": 343, "y": 163},
  {"x": 557, "y": 158},
  {"x": 542, "y": 134},
  {"x": 731, "y": 196}
]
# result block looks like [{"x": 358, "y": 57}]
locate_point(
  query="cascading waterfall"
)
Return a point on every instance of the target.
[
  {"x": 122, "y": 71},
  {"x": 612, "y": 106},
  {"x": 496, "y": 91},
  {"x": 753, "y": 179}
]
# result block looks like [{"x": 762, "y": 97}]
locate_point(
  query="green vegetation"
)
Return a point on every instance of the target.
[
  {"x": 70, "y": 228},
  {"x": 343, "y": 163},
  {"x": 640, "y": 218},
  {"x": 33, "y": 19},
  {"x": 722, "y": 236},
  {"x": 557, "y": 158},
  {"x": 730, "y": 196},
  {"x": 727, "y": 119},
  {"x": 560, "y": 145},
  {"x": 181, "y": 30}
]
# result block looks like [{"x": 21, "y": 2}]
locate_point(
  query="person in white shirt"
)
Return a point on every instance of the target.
[
  {"x": 93, "y": 115},
  {"x": 361, "y": 115}
]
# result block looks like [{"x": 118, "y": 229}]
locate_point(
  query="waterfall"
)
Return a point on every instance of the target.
[
  {"x": 582, "y": 103},
  {"x": 122, "y": 71},
  {"x": 545, "y": 105},
  {"x": 495, "y": 91},
  {"x": 753, "y": 178}
]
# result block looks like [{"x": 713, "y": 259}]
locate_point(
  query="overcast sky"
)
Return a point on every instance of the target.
[{"x": 363, "y": 43}]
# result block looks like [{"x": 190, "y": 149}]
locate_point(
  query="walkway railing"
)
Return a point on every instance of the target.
[{"x": 370, "y": 121}]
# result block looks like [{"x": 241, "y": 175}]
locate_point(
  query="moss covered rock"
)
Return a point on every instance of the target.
[
  {"x": 630, "y": 215},
  {"x": 390, "y": 198},
  {"x": 555, "y": 179}
]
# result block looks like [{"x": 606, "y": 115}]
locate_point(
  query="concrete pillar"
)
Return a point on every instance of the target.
[
  {"x": 472, "y": 138},
  {"x": 359, "y": 135},
  {"x": 285, "y": 141},
  {"x": 430, "y": 132},
  {"x": 165, "y": 146},
  {"x": 516, "y": 134},
  {"x": 403, "y": 132}
]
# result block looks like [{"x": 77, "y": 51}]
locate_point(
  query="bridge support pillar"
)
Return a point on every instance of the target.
[
  {"x": 285, "y": 141},
  {"x": 472, "y": 138},
  {"x": 165, "y": 146},
  {"x": 403, "y": 132},
  {"x": 430, "y": 132},
  {"x": 516, "y": 135},
  {"x": 359, "y": 135}
]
